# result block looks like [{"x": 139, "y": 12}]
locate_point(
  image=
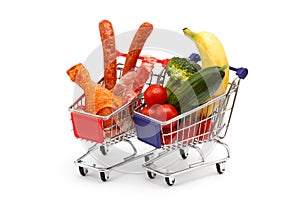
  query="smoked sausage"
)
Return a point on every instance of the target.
[
  {"x": 109, "y": 53},
  {"x": 136, "y": 46}
]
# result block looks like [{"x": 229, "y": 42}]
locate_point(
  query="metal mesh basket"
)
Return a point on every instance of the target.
[{"x": 190, "y": 127}]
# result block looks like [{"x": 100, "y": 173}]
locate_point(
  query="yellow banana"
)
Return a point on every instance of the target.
[{"x": 212, "y": 53}]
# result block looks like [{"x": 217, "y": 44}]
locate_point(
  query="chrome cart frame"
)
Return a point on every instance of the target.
[
  {"x": 191, "y": 131},
  {"x": 90, "y": 128}
]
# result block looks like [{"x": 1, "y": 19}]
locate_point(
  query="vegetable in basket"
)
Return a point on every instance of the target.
[
  {"x": 197, "y": 89},
  {"x": 179, "y": 70},
  {"x": 155, "y": 94}
]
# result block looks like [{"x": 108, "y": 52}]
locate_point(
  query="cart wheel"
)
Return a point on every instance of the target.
[
  {"x": 102, "y": 149},
  {"x": 151, "y": 175},
  {"x": 148, "y": 157},
  {"x": 183, "y": 153},
  {"x": 104, "y": 176},
  {"x": 170, "y": 181},
  {"x": 83, "y": 171},
  {"x": 220, "y": 167}
]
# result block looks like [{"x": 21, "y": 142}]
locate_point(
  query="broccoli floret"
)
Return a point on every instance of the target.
[{"x": 179, "y": 70}]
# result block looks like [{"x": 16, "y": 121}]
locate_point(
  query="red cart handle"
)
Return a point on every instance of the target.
[{"x": 163, "y": 62}]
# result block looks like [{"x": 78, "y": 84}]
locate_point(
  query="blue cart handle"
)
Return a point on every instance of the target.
[
  {"x": 240, "y": 72},
  {"x": 195, "y": 57}
]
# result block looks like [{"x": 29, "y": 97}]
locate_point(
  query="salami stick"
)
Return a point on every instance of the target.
[
  {"x": 109, "y": 53},
  {"x": 136, "y": 46}
]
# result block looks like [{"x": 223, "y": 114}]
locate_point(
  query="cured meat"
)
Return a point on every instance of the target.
[
  {"x": 109, "y": 53},
  {"x": 98, "y": 100},
  {"x": 136, "y": 46},
  {"x": 131, "y": 84}
]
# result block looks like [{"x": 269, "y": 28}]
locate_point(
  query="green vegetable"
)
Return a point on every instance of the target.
[
  {"x": 197, "y": 89},
  {"x": 179, "y": 70}
]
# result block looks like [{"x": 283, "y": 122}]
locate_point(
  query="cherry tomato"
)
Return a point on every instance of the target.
[
  {"x": 155, "y": 94},
  {"x": 164, "y": 113}
]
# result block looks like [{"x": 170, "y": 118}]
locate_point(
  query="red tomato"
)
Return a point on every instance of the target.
[
  {"x": 188, "y": 131},
  {"x": 164, "y": 113},
  {"x": 155, "y": 94},
  {"x": 167, "y": 138},
  {"x": 148, "y": 110},
  {"x": 204, "y": 129}
]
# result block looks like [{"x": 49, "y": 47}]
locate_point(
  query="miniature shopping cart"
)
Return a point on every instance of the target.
[
  {"x": 99, "y": 139},
  {"x": 204, "y": 125}
]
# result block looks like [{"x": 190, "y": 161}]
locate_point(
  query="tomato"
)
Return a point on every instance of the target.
[
  {"x": 188, "y": 131},
  {"x": 167, "y": 138},
  {"x": 204, "y": 129},
  {"x": 164, "y": 113},
  {"x": 155, "y": 94},
  {"x": 148, "y": 110}
]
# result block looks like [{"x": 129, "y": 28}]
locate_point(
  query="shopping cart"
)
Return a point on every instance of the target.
[
  {"x": 191, "y": 132},
  {"x": 97, "y": 138}
]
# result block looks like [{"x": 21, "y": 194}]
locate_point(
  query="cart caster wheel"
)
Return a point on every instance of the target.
[
  {"x": 170, "y": 181},
  {"x": 103, "y": 151},
  {"x": 220, "y": 167},
  {"x": 104, "y": 176},
  {"x": 148, "y": 157},
  {"x": 183, "y": 154},
  {"x": 83, "y": 171},
  {"x": 151, "y": 175}
]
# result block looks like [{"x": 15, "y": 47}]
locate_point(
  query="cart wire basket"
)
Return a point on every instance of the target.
[
  {"x": 191, "y": 130},
  {"x": 91, "y": 129}
]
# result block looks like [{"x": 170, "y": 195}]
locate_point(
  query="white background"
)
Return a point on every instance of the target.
[{"x": 41, "y": 40}]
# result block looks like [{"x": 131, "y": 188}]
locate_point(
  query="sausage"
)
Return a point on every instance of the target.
[
  {"x": 136, "y": 46},
  {"x": 109, "y": 53}
]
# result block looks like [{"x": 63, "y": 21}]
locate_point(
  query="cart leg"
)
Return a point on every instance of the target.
[
  {"x": 91, "y": 149},
  {"x": 199, "y": 151},
  {"x": 148, "y": 157},
  {"x": 79, "y": 160},
  {"x": 134, "y": 150},
  {"x": 225, "y": 146}
]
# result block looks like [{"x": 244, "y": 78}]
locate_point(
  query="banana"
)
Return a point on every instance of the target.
[{"x": 212, "y": 53}]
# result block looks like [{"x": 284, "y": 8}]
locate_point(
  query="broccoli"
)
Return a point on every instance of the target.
[{"x": 179, "y": 70}]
